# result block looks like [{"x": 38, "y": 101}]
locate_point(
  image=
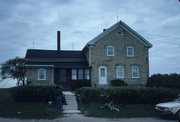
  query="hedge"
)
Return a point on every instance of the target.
[
  {"x": 164, "y": 80},
  {"x": 118, "y": 82},
  {"x": 76, "y": 84},
  {"x": 128, "y": 95},
  {"x": 40, "y": 93},
  {"x": 89, "y": 94}
]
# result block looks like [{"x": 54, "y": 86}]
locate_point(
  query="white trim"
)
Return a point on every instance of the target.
[
  {"x": 52, "y": 75},
  {"x": 44, "y": 70},
  {"x": 108, "y": 50},
  {"x": 104, "y": 79},
  {"x": 133, "y": 71},
  {"x": 117, "y": 75},
  {"x": 127, "y": 50},
  {"x": 124, "y": 26},
  {"x": 29, "y": 65}
]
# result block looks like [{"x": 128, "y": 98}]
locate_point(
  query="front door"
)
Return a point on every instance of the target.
[
  {"x": 102, "y": 75},
  {"x": 62, "y": 77}
]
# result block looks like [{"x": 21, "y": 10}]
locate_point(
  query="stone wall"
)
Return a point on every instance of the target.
[
  {"x": 120, "y": 43},
  {"x": 32, "y": 76}
]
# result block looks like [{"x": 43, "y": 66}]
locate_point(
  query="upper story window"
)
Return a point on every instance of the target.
[
  {"x": 74, "y": 74},
  {"x": 130, "y": 51},
  {"x": 110, "y": 51},
  {"x": 120, "y": 33},
  {"x": 135, "y": 72},
  {"x": 120, "y": 72},
  {"x": 41, "y": 74}
]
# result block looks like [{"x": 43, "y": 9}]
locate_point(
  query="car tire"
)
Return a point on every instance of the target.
[{"x": 178, "y": 115}]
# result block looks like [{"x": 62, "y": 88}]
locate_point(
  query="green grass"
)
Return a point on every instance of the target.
[
  {"x": 10, "y": 109},
  {"x": 126, "y": 111}
]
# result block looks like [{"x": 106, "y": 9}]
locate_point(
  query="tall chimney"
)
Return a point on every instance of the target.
[{"x": 58, "y": 40}]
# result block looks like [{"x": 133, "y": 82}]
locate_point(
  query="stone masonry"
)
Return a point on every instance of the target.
[
  {"x": 32, "y": 73},
  {"x": 120, "y": 43}
]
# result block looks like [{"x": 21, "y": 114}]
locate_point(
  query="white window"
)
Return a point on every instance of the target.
[
  {"x": 110, "y": 51},
  {"x": 120, "y": 72},
  {"x": 120, "y": 33},
  {"x": 102, "y": 72},
  {"x": 74, "y": 74},
  {"x": 80, "y": 74},
  {"x": 130, "y": 51},
  {"x": 87, "y": 74},
  {"x": 41, "y": 74},
  {"x": 135, "y": 72}
]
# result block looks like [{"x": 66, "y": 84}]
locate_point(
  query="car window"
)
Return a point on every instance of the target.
[{"x": 177, "y": 99}]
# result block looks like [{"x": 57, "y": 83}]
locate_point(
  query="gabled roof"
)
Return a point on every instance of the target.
[{"x": 124, "y": 26}]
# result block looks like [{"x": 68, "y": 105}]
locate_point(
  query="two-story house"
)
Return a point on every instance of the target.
[{"x": 117, "y": 53}]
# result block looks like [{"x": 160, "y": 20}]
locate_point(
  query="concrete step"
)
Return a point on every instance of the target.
[
  {"x": 70, "y": 108},
  {"x": 71, "y": 102},
  {"x": 71, "y": 105},
  {"x": 71, "y": 112}
]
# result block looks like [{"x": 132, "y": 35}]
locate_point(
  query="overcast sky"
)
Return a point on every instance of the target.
[{"x": 26, "y": 24}]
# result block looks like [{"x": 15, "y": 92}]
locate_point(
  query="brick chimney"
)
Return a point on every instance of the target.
[{"x": 59, "y": 40}]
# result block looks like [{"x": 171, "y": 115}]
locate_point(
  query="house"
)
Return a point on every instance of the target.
[{"x": 117, "y": 53}]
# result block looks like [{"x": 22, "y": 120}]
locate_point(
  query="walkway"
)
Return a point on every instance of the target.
[{"x": 71, "y": 107}]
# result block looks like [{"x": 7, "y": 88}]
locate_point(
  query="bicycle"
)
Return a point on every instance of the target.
[{"x": 109, "y": 106}]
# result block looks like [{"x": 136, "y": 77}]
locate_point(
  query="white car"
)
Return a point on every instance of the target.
[{"x": 172, "y": 108}]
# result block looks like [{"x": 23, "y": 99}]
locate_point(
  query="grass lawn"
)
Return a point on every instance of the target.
[
  {"x": 10, "y": 109},
  {"x": 126, "y": 111}
]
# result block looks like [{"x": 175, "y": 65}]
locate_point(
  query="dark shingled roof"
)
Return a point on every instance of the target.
[
  {"x": 59, "y": 59},
  {"x": 34, "y": 53}
]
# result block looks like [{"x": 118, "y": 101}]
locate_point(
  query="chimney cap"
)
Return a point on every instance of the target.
[{"x": 104, "y": 30}]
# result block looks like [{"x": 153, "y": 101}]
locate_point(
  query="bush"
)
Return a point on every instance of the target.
[
  {"x": 118, "y": 83},
  {"x": 76, "y": 84},
  {"x": 89, "y": 94},
  {"x": 168, "y": 81},
  {"x": 128, "y": 95},
  {"x": 41, "y": 93}
]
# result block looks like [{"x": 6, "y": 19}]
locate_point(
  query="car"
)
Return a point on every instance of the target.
[{"x": 169, "y": 108}]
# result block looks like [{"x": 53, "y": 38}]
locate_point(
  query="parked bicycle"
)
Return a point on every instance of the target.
[{"x": 109, "y": 106}]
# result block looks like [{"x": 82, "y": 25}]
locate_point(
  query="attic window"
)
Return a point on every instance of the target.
[{"x": 119, "y": 33}]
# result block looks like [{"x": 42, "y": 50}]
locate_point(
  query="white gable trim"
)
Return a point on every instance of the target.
[{"x": 124, "y": 26}]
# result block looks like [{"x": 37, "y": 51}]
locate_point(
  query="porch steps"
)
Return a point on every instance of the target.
[{"x": 71, "y": 107}]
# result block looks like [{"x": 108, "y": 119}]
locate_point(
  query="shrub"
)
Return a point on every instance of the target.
[
  {"x": 89, "y": 94},
  {"x": 76, "y": 84},
  {"x": 129, "y": 95},
  {"x": 27, "y": 93},
  {"x": 118, "y": 82},
  {"x": 165, "y": 80}
]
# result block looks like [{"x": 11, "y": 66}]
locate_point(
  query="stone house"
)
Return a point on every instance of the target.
[{"x": 117, "y": 53}]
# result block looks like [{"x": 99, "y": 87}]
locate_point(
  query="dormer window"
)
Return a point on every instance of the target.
[
  {"x": 110, "y": 51},
  {"x": 130, "y": 51}
]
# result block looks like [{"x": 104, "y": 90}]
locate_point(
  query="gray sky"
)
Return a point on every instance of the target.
[{"x": 23, "y": 22}]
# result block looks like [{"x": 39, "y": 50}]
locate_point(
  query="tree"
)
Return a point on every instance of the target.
[{"x": 14, "y": 68}]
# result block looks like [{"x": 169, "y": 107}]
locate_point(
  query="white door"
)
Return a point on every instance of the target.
[{"x": 102, "y": 75}]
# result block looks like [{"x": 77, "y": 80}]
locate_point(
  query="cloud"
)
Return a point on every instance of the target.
[{"x": 23, "y": 23}]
